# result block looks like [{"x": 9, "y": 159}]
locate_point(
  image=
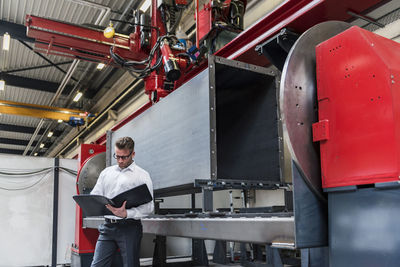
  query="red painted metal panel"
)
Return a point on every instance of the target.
[
  {"x": 64, "y": 35},
  {"x": 358, "y": 79},
  {"x": 85, "y": 239},
  {"x": 205, "y": 21},
  {"x": 320, "y": 131}
]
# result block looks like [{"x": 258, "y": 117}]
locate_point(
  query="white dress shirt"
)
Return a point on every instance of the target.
[{"x": 113, "y": 181}]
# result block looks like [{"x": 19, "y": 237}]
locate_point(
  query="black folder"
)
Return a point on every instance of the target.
[{"x": 94, "y": 205}]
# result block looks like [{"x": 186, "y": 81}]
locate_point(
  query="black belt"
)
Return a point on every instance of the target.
[{"x": 122, "y": 221}]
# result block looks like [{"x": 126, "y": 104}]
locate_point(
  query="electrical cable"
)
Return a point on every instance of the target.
[
  {"x": 146, "y": 68},
  {"x": 72, "y": 172},
  {"x": 29, "y": 186},
  {"x": 46, "y": 170},
  {"x": 141, "y": 69},
  {"x": 7, "y": 172},
  {"x": 24, "y": 173},
  {"x": 138, "y": 24}
]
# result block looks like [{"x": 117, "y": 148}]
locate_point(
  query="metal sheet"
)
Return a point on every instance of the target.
[
  {"x": 90, "y": 172},
  {"x": 311, "y": 215},
  {"x": 298, "y": 100},
  {"x": 273, "y": 230},
  {"x": 364, "y": 227},
  {"x": 172, "y": 137},
  {"x": 222, "y": 124}
]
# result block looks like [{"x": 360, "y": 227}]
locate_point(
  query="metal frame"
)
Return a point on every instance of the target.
[
  {"x": 12, "y": 151},
  {"x": 213, "y": 65},
  {"x": 38, "y": 67},
  {"x": 55, "y": 213},
  {"x": 46, "y": 59},
  {"x": 17, "y": 142},
  {"x": 109, "y": 146},
  {"x": 223, "y": 184},
  {"x": 34, "y": 84}
]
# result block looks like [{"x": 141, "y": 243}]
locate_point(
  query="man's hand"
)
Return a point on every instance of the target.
[{"x": 120, "y": 212}]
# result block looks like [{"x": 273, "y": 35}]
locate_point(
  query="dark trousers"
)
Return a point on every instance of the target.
[{"x": 124, "y": 235}]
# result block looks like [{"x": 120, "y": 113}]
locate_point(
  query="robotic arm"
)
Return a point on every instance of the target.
[{"x": 151, "y": 52}]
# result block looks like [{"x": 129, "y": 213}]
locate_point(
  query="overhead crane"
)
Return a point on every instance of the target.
[{"x": 72, "y": 116}]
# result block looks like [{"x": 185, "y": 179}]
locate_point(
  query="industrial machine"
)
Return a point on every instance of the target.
[
  {"x": 152, "y": 51},
  {"x": 240, "y": 123}
]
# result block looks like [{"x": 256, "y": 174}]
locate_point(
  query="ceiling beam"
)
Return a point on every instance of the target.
[
  {"x": 18, "y": 142},
  {"x": 16, "y": 31},
  {"x": 24, "y": 129},
  {"x": 38, "y": 67},
  {"x": 11, "y": 151},
  {"x": 46, "y": 59},
  {"x": 34, "y": 84}
]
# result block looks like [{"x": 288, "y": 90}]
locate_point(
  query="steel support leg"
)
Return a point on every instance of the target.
[
  {"x": 273, "y": 257},
  {"x": 243, "y": 253},
  {"x": 160, "y": 251},
  {"x": 313, "y": 257},
  {"x": 258, "y": 254},
  {"x": 199, "y": 253},
  {"x": 219, "y": 255},
  {"x": 207, "y": 200}
]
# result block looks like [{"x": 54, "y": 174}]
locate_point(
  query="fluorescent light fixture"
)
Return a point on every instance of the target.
[
  {"x": 2, "y": 85},
  {"x": 100, "y": 66},
  {"x": 41, "y": 145},
  {"x": 50, "y": 134},
  {"x": 145, "y": 5},
  {"x": 77, "y": 97},
  {"x": 6, "y": 41},
  {"x": 60, "y": 121},
  {"x": 35, "y": 154}
]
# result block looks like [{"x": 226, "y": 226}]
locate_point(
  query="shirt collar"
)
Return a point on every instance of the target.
[{"x": 130, "y": 167}]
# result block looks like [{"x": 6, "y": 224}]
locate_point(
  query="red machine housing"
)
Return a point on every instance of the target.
[
  {"x": 358, "y": 79},
  {"x": 204, "y": 21},
  {"x": 210, "y": 15},
  {"x": 85, "y": 238}
]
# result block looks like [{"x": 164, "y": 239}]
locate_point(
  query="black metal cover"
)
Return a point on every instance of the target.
[{"x": 245, "y": 116}]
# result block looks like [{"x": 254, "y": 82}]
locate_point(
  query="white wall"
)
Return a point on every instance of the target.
[{"x": 27, "y": 211}]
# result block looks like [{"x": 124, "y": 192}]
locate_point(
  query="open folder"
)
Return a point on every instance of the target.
[{"x": 94, "y": 205}]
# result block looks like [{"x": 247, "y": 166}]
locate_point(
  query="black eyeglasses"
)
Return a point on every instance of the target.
[{"x": 122, "y": 157}]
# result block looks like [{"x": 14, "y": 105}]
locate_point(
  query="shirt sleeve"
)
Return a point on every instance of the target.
[
  {"x": 145, "y": 209},
  {"x": 98, "y": 189}
]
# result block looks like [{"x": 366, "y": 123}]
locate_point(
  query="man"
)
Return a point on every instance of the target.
[{"x": 124, "y": 229}]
